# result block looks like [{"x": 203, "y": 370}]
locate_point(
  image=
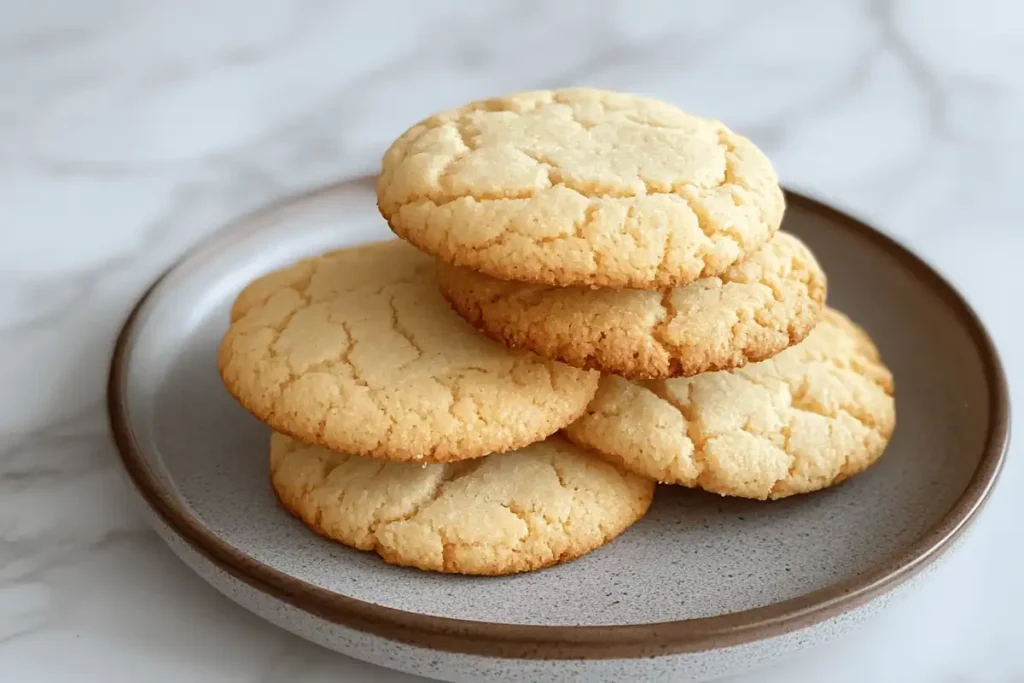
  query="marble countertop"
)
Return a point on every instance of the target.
[{"x": 130, "y": 130}]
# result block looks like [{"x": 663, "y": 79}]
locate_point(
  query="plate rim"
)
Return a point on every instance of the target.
[{"x": 521, "y": 641}]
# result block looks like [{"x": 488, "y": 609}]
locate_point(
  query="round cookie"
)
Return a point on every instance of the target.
[
  {"x": 806, "y": 419},
  {"x": 580, "y": 187},
  {"x": 512, "y": 512},
  {"x": 358, "y": 351},
  {"x": 752, "y": 311}
]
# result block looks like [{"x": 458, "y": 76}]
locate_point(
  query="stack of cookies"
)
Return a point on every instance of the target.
[{"x": 593, "y": 296}]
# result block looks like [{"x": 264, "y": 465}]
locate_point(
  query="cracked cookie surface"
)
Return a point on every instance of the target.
[
  {"x": 808, "y": 418},
  {"x": 358, "y": 351},
  {"x": 754, "y": 310},
  {"x": 580, "y": 187},
  {"x": 544, "y": 504}
]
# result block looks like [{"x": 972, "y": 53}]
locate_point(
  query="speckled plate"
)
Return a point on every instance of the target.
[{"x": 701, "y": 587}]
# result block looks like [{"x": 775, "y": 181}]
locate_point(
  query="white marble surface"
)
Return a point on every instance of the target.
[{"x": 130, "y": 129}]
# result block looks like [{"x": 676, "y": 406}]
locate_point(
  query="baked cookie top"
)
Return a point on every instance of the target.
[
  {"x": 580, "y": 187},
  {"x": 358, "y": 351},
  {"x": 750, "y": 312},
  {"x": 544, "y": 504},
  {"x": 806, "y": 419}
]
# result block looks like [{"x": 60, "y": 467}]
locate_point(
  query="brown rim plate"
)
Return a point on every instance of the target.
[{"x": 699, "y": 573}]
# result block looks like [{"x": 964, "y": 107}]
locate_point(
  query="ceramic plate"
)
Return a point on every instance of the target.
[{"x": 701, "y": 587}]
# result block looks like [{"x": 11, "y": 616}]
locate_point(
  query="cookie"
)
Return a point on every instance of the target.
[
  {"x": 358, "y": 351},
  {"x": 752, "y": 311},
  {"x": 580, "y": 187},
  {"x": 808, "y": 418},
  {"x": 544, "y": 504}
]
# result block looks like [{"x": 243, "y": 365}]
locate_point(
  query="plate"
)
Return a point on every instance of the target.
[{"x": 701, "y": 587}]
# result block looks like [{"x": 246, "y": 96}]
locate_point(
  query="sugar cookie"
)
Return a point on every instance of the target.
[
  {"x": 752, "y": 311},
  {"x": 358, "y": 351},
  {"x": 580, "y": 187},
  {"x": 544, "y": 504},
  {"x": 804, "y": 420}
]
